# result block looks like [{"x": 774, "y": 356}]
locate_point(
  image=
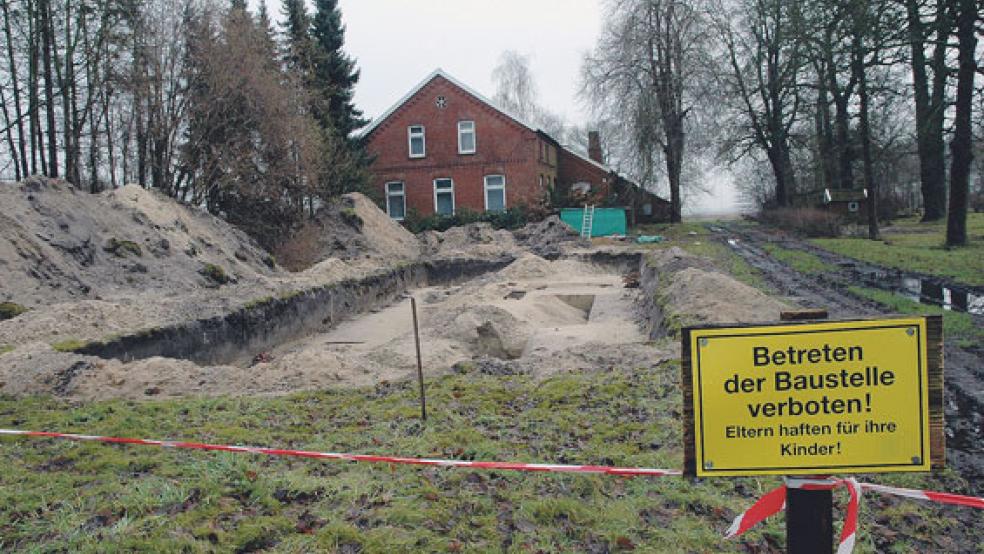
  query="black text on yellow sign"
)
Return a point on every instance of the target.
[{"x": 833, "y": 397}]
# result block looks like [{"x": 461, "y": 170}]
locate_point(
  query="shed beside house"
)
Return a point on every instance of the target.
[{"x": 850, "y": 204}]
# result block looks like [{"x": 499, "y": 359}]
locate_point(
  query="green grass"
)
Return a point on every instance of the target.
[
  {"x": 122, "y": 248},
  {"x": 215, "y": 273},
  {"x": 68, "y": 345},
  {"x": 957, "y": 326},
  {"x": 801, "y": 261},
  {"x": 86, "y": 497},
  {"x": 9, "y": 310},
  {"x": 703, "y": 243},
  {"x": 916, "y": 246},
  {"x": 4, "y": 348}
]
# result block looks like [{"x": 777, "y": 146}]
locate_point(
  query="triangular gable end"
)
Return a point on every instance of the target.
[{"x": 379, "y": 121}]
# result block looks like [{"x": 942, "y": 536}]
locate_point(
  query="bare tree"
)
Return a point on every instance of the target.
[
  {"x": 763, "y": 43},
  {"x": 647, "y": 68},
  {"x": 517, "y": 93}
]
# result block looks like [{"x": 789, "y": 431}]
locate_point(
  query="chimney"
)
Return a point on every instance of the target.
[{"x": 594, "y": 147}]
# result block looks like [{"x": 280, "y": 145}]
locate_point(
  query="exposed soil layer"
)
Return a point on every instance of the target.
[
  {"x": 60, "y": 244},
  {"x": 964, "y": 370}
]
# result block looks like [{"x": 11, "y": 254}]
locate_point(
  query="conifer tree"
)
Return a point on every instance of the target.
[
  {"x": 296, "y": 27},
  {"x": 334, "y": 72}
]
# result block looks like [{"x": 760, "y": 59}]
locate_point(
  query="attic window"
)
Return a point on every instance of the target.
[
  {"x": 415, "y": 135},
  {"x": 441, "y": 102}
]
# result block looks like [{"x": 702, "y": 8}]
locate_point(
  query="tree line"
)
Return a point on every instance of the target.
[
  {"x": 813, "y": 95},
  {"x": 203, "y": 100}
]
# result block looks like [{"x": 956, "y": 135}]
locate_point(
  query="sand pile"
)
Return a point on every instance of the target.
[
  {"x": 351, "y": 228},
  {"x": 531, "y": 266},
  {"x": 58, "y": 244},
  {"x": 549, "y": 238},
  {"x": 690, "y": 290},
  {"x": 473, "y": 240}
]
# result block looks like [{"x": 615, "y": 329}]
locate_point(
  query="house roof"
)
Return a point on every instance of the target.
[
  {"x": 844, "y": 195},
  {"x": 478, "y": 96},
  {"x": 444, "y": 74}
]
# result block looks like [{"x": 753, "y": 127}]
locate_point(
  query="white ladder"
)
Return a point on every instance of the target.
[{"x": 587, "y": 223}]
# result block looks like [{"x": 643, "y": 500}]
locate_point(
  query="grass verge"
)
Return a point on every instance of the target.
[
  {"x": 801, "y": 261},
  {"x": 915, "y": 246},
  {"x": 84, "y": 497},
  {"x": 697, "y": 239},
  {"x": 957, "y": 326}
]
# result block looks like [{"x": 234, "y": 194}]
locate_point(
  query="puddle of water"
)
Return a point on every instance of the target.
[{"x": 926, "y": 292}]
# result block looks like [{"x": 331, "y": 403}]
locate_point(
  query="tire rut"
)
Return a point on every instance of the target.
[{"x": 964, "y": 369}]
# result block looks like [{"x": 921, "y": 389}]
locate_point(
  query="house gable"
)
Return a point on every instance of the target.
[{"x": 420, "y": 92}]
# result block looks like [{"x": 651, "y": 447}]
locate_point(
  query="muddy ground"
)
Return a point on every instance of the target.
[{"x": 964, "y": 368}]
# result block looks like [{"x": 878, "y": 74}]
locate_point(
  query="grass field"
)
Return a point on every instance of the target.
[
  {"x": 66, "y": 496},
  {"x": 801, "y": 261},
  {"x": 916, "y": 246}
]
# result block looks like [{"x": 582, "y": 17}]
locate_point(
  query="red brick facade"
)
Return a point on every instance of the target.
[
  {"x": 503, "y": 146},
  {"x": 530, "y": 161}
]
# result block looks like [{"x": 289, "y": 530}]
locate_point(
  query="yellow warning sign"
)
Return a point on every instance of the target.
[{"x": 832, "y": 397}]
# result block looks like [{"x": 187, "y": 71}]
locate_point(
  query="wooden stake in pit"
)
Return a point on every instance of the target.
[{"x": 420, "y": 365}]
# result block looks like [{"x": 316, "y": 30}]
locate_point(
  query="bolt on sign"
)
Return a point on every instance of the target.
[{"x": 814, "y": 398}]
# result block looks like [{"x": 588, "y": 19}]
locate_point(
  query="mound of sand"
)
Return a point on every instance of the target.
[
  {"x": 550, "y": 237},
  {"x": 350, "y": 228},
  {"x": 697, "y": 296},
  {"x": 476, "y": 239},
  {"x": 531, "y": 266},
  {"x": 58, "y": 244}
]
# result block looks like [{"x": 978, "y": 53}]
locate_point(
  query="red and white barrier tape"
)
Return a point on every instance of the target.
[
  {"x": 770, "y": 504},
  {"x": 505, "y": 466},
  {"x": 775, "y": 501}
]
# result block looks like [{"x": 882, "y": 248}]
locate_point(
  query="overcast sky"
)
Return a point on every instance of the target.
[{"x": 396, "y": 43}]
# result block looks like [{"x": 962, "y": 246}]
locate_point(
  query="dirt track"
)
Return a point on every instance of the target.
[{"x": 964, "y": 369}]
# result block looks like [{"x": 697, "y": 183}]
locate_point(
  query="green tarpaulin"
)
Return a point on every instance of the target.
[{"x": 607, "y": 221}]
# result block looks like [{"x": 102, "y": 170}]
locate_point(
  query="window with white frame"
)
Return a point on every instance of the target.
[
  {"x": 444, "y": 196},
  {"x": 495, "y": 193},
  {"x": 466, "y": 137},
  {"x": 396, "y": 200},
  {"x": 415, "y": 136}
]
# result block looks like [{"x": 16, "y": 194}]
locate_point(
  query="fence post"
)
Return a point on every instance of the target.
[
  {"x": 420, "y": 366},
  {"x": 809, "y": 514}
]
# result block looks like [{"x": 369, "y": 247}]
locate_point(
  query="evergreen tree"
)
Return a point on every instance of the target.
[
  {"x": 296, "y": 26},
  {"x": 334, "y": 72}
]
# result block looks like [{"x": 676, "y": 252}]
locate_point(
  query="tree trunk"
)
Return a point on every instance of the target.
[
  {"x": 10, "y": 135},
  {"x": 961, "y": 147},
  {"x": 929, "y": 108},
  {"x": 864, "y": 128},
  {"x": 22, "y": 150},
  {"x": 33, "y": 100},
  {"x": 674, "y": 165},
  {"x": 47, "y": 31}
]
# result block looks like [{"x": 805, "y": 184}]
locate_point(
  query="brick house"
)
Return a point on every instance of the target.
[{"x": 444, "y": 147}]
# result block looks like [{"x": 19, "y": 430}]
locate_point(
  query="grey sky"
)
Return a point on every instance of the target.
[{"x": 398, "y": 42}]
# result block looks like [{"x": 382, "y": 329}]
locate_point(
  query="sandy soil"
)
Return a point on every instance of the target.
[
  {"x": 534, "y": 317},
  {"x": 59, "y": 244},
  {"x": 351, "y": 228},
  {"x": 693, "y": 291}
]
